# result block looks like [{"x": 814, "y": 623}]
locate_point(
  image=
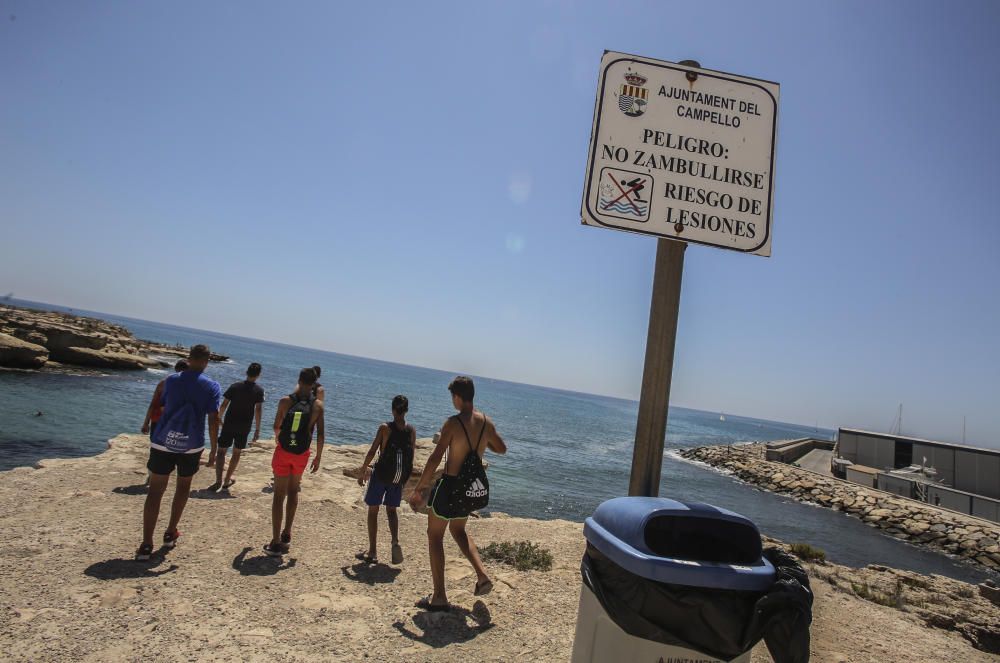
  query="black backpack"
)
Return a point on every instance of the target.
[
  {"x": 296, "y": 436},
  {"x": 395, "y": 462},
  {"x": 470, "y": 490}
]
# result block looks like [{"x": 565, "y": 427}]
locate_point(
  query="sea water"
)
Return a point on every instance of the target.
[{"x": 568, "y": 451}]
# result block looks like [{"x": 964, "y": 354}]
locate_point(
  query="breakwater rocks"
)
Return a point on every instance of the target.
[
  {"x": 971, "y": 538},
  {"x": 30, "y": 339}
]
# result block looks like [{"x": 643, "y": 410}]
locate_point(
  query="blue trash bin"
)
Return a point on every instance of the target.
[{"x": 667, "y": 579}]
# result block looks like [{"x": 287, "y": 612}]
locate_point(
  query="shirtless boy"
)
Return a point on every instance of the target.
[{"x": 470, "y": 431}]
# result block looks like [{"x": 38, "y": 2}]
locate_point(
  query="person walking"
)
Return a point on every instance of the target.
[
  {"x": 242, "y": 405},
  {"x": 189, "y": 398},
  {"x": 394, "y": 442},
  {"x": 462, "y": 489},
  {"x": 299, "y": 414}
]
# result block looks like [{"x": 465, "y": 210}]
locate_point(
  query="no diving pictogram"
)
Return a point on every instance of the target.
[{"x": 624, "y": 194}]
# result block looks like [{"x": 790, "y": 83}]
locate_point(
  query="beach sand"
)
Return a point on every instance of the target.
[{"x": 69, "y": 589}]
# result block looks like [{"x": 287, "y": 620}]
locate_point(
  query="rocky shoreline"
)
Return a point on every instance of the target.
[
  {"x": 32, "y": 339},
  {"x": 72, "y": 592},
  {"x": 973, "y": 539}
]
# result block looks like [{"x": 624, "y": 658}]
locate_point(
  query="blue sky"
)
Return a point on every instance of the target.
[{"x": 403, "y": 181}]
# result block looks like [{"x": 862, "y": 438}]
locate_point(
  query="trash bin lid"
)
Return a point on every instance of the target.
[{"x": 680, "y": 543}]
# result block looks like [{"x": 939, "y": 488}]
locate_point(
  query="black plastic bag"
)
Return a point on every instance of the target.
[{"x": 717, "y": 622}]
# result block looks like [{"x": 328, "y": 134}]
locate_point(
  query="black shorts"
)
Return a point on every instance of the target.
[
  {"x": 164, "y": 462},
  {"x": 229, "y": 438},
  {"x": 440, "y": 502}
]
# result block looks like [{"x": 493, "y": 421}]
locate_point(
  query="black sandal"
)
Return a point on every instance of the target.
[
  {"x": 366, "y": 558},
  {"x": 144, "y": 552},
  {"x": 483, "y": 588},
  {"x": 273, "y": 550},
  {"x": 425, "y": 604}
]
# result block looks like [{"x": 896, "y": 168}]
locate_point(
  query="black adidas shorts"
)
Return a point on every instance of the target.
[
  {"x": 229, "y": 438},
  {"x": 164, "y": 462}
]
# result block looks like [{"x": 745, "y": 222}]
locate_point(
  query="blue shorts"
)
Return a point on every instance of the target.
[{"x": 379, "y": 493}]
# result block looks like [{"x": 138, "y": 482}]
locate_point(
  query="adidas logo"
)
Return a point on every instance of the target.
[{"x": 477, "y": 489}]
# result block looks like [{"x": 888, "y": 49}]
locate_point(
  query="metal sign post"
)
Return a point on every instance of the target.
[{"x": 685, "y": 154}]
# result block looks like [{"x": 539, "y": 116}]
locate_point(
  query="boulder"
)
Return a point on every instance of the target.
[
  {"x": 29, "y": 335},
  {"x": 986, "y": 561},
  {"x": 985, "y": 543},
  {"x": 101, "y": 359},
  {"x": 64, "y": 338},
  {"x": 15, "y": 353}
]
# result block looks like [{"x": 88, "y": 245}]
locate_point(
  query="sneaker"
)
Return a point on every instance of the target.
[
  {"x": 274, "y": 550},
  {"x": 144, "y": 552},
  {"x": 170, "y": 538},
  {"x": 397, "y": 554}
]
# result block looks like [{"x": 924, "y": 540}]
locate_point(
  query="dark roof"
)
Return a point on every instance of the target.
[{"x": 933, "y": 443}]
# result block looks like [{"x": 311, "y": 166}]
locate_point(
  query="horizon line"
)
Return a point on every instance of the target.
[{"x": 10, "y": 298}]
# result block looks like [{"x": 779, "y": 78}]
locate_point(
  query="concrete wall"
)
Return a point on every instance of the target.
[
  {"x": 897, "y": 485},
  {"x": 876, "y": 452},
  {"x": 789, "y": 451},
  {"x": 860, "y": 478},
  {"x": 981, "y": 507},
  {"x": 977, "y": 473},
  {"x": 847, "y": 446}
]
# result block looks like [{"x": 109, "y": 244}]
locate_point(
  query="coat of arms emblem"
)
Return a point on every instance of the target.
[{"x": 632, "y": 97}]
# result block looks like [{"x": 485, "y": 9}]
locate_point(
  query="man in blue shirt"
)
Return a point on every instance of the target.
[{"x": 177, "y": 443}]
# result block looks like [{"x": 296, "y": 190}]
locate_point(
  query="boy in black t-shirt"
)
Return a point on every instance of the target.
[{"x": 241, "y": 406}]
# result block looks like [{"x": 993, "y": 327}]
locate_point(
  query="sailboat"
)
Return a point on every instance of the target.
[{"x": 722, "y": 417}]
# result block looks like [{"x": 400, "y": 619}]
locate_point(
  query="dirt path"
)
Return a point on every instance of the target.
[{"x": 70, "y": 590}]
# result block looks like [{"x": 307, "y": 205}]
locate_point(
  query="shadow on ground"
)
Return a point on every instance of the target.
[
  {"x": 113, "y": 569},
  {"x": 441, "y": 629},
  {"x": 137, "y": 489},
  {"x": 206, "y": 494},
  {"x": 370, "y": 574},
  {"x": 261, "y": 565}
]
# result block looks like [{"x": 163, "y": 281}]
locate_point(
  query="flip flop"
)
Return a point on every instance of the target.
[
  {"x": 229, "y": 483},
  {"x": 425, "y": 604},
  {"x": 397, "y": 554},
  {"x": 214, "y": 487},
  {"x": 484, "y": 588},
  {"x": 272, "y": 550},
  {"x": 366, "y": 558}
]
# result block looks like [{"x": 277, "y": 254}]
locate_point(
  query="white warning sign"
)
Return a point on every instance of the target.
[{"x": 683, "y": 153}]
